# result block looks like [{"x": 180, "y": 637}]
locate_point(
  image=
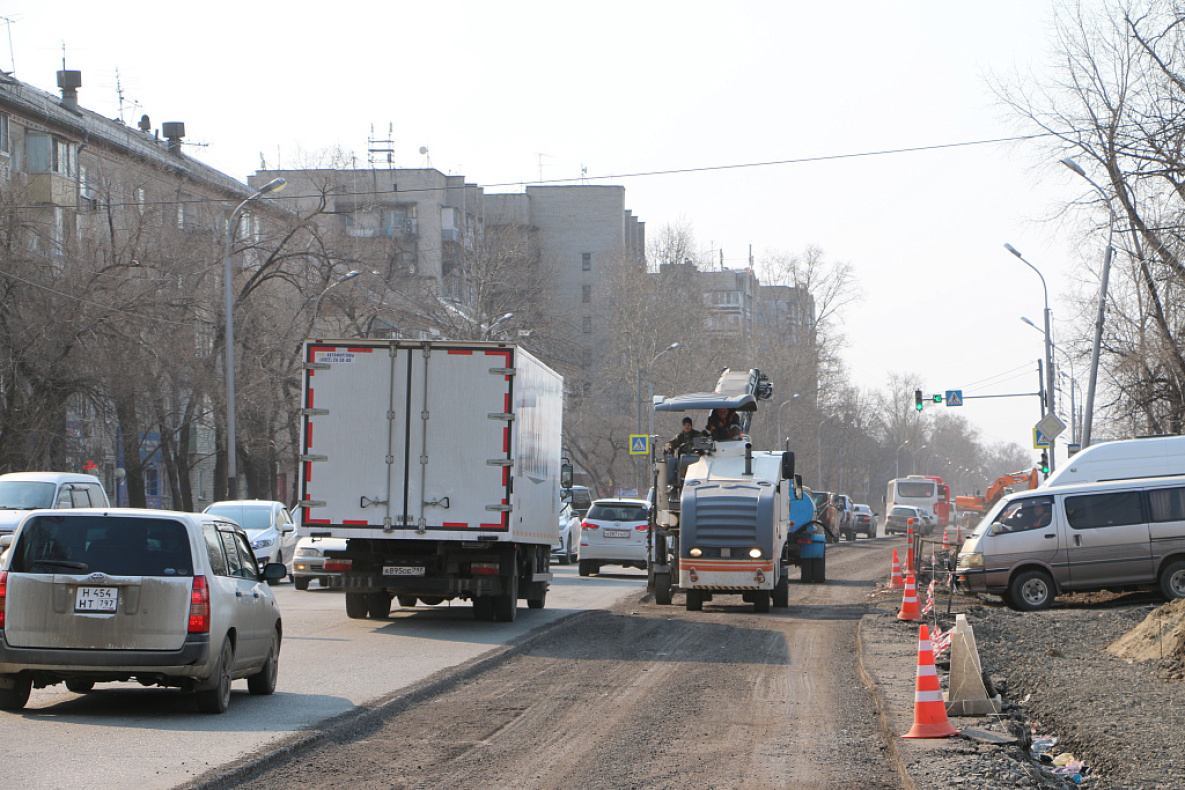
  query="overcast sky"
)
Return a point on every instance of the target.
[{"x": 505, "y": 93}]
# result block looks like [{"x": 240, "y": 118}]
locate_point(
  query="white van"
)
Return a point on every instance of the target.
[
  {"x": 24, "y": 491},
  {"x": 1155, "y": 456},
  {"x": 1034, "y": 545}
]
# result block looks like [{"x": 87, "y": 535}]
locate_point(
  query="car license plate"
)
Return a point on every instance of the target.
[
  {"x": 617, "y": 533},
  {"x": 96, "y": 599},
  {"x": 395, "y": 570}
]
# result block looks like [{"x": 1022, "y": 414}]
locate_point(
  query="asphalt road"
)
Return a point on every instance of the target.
[{"x": 124, "y": 735}]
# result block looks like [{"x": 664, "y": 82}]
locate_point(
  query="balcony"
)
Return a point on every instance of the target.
[{"x": 51, "y": 189}]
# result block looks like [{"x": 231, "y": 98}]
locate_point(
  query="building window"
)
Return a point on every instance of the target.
[
  {"x": 586, "y": 261},
  {"x": 586, "y": 293},
  {"x": 587, "y": 327},
  {"x": 141, "y": 200},
  {"x": 5, "y": 139}
]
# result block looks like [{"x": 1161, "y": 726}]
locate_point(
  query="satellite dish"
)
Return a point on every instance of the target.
[{"x": 423, "y": 149}]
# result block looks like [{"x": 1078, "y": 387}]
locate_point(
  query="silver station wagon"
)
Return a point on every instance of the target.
[{"x": 162, "y": 598}]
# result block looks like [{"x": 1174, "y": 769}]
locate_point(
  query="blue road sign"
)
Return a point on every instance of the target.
[
  {"x": 639, "y": 445},
  {"x": 954, "y": 397},
  {"x": 1040, "y": 440}
]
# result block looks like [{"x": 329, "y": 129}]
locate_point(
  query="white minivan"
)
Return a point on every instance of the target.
[{"x": 1034, "y": 545}]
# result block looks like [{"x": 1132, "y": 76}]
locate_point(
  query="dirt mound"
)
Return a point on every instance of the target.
[{"x": 1160, "y": 636}]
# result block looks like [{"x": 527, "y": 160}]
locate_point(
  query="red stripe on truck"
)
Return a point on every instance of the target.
[
  {"x": 352, "y": 521},
  {"x": 461, "y": 524},
  {"x": 460, "y": 351},
  {"x": 359, "y": 349}
]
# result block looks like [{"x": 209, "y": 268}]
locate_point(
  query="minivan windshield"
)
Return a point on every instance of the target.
[
  {"x": 117, "y": 546},
  {"x": 26, "y": 495}
]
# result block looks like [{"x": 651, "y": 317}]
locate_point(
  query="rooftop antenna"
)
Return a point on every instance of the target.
[
  {"x": 379, "y": 150},
  {"x": 583, "y": 175},
  {"x": 132, "y": 105},
  {"x": 427, "y": 159},
  {"x": 11, "y": 52},
  {"x": 549, "y": 156}
]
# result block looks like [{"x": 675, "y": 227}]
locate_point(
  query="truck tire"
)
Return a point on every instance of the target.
[
  {"x": 781, "y": 596},
  {"x": 1030, "y": 591},
  {"x": 506, "y": 604},
  {"x": 538, "y": 601},
  {"x": 695, "y": 601},
  {"x": 357, "y": 606},
  {"x": 761, "y": 601},
  {"x": 483, "y": 608},
  {"x": 662, "y": 589},
  {"x": 378, "y": 605},
  {"x": 407, "y": 601},
  {"x": 301, "y": 582},
  {"x": 588, "y": 568}
]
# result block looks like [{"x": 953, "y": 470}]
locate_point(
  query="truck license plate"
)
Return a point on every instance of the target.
[
  {"x": 96, "y": 599},
  {"x": 617, "y": 533},
  {"x": 394, "y": 570}
]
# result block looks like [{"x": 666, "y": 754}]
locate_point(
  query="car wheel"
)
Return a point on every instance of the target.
[
  {"x": 217, "y": 699},
  {"x": 662, "y": 589},
  {"x": 587, "y": 567},
  {"x": 761, "y": 601},
  {"x": 781, "y": 596},
  {"x": 301, "y": 582},
  {"x": 80, "y": 686},
  {"x": 1031, "y": 590},
  {"x": 1172, "y": 580},
  {"x": 357, "y": 605},
  {"x": 263, "y": 682},
  {"x": 15, "y": 698},
  {"x": 695, "y": 601}
]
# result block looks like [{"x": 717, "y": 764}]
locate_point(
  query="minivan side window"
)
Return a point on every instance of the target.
[
  {"x": 214, "y": 549},
  {"x": 1096, "y": 511},
  {"x": 1167, "y": 504}
]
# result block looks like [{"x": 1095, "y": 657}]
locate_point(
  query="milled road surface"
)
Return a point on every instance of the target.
[{"x": 642, "y": 696}]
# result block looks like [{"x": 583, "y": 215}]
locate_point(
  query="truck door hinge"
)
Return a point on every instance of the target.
[
  {"x": 316, "y": 366},
  {"x": 500, "y": 462},
  {"x": 499, "y": 508},
  {"x": 502, "y": 371},
  {"x": 305, "y": 458},
  {"x": 313, "y": 412},
  {"x": 504, "y": 416}
]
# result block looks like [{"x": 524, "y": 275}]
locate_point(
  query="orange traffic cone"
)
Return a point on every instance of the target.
[
  {"x": 909, "y": 601},
  {"x": 909, "y": 551},
  {"x": 946, "y": 540},
  {"x": 929, "y": 709},
  {"x": 896, "y": 582}
]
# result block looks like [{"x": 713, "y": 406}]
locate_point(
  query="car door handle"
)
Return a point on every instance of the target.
[
  {"x": 1051, "y": 537},
  {"x": 1077, "y": 540}
]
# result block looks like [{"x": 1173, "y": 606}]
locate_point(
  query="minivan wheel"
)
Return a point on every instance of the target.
[
  {"x": 1030, "y": 591},
  {"x": 217, "y": 699},
  {"x": 1172, "y": 580},
  {"x": 263, "y": 682},
  {"x": 16, "y": 697}
]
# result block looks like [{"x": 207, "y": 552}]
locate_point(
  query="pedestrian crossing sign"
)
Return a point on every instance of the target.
[
  {"x": 639, "y": 445},
  {"x": 954, "y": 397}
]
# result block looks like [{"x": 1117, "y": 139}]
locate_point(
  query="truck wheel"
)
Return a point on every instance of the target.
[
  {"x": 378, "y": 605},
  {"x": 662, "y": 589},
  {"x": 301, "y": 582},
  {"x": 1031, "y": 590},
  {"x": 407, "y": 601},
  {"x": 483, "y": 608},
  {"x": 506, "y": 604},
  {"x": 357, "y": 607},
  {"x": 761, "y": 601},
  {"x": 588, "y": 568},
  {"x": 539, "y": 601},
  {"x": 781, "y": 597},
  {"x": 695, "y": 601},
  {"x": 1172, "y": 581}
]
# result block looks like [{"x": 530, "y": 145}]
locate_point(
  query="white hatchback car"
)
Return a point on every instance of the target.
[
  {"x": 166, "y": 599},
  {"x": 614, "y": 533},
  {"x": 269, "y": 527}
]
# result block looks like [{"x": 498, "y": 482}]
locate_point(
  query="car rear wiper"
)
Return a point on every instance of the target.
[{"x": 74, "y": 566}]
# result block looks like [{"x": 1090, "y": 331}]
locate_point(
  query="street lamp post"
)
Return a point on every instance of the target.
[
  {"x": 781, "y": 436},
  {"x": 232, "y": 471},
  {"x": 1104, "y": 276},
  {"x": 649, "y": 408},
  {"x": 489, "y": 330},
  {"x": 913, "y": 459},
  {"x": 317, "y": 301},
  {"x": 898, "y": 454},
  {"x": 1074, "y": 435},
  {"x": 1049, "y": 397}
]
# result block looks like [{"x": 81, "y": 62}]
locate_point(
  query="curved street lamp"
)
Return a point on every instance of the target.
[
  {"x": 232, "y": 470},
  {"x": 1049, "y": 393},
  {"x": 781, "y": 436},
  {"x": 898, "y": 454},
  {"x": 317, "y": 307}
]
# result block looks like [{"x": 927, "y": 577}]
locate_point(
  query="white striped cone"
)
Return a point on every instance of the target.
[
  {"x": 896, "y": 580},
  {"x": 929, "y": 709},
  {"x": 909, "y": 601}
]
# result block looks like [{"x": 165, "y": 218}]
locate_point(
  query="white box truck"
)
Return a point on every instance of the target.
[{"x": 439, "y": 463}]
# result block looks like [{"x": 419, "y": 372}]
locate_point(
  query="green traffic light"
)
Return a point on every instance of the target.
[{"x": 937, "y": 398}]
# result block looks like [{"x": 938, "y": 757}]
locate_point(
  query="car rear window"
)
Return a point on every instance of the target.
[
  {"x": 117, "y": 546},
  {"x": 617, "y": 512},
  {"x": 903, "y": 511},
  {"x": 246, "y": 516}
]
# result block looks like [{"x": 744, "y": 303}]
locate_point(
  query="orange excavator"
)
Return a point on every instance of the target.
[{"x": 1017, "y": 481}]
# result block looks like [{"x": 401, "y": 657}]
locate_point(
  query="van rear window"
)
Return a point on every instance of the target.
[
  {"x": 1097, "y": 511},
  {"x": 117, "y": 546},
  {"x": 1167, "y": 504}
]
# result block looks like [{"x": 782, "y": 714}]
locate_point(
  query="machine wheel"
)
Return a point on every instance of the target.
[
  {"x": 16, "y": 697},
  {"x": 378, "y": 605},
  {"x": 662, "y": 589},
  {"x": 1031, "y": 590},
  {"x": 588, "y": 568},
  {"x": 80, "y": 686},
  {"x": 357, "y": 606},
  {"x": 781, "y": 596},
  {"x": 483, "y": 608},
  {"x": 217, "y": 699},
  {"x": 1172, "y": 580},
  {"x": 695, "y": 601},
  {"x": 301, "y": 582},
  {"x": 506, "y": 604},
  {"x": 263, "y": 682},
  {"x": 407, "y": 601},
  {"x": 761, "y": 601}
]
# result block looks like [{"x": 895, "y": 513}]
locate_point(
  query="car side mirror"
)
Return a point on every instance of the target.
[
  {"x": 274, "y": 571},
  {"x": 5, "y": 541},
  {"x": 288, "y": 527}
]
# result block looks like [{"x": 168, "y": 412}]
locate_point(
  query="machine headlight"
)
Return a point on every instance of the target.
[
  {"x": 755, "y": 553},
  {"x": 696, "y": 552},
  {"x": 971, "y": 560}
]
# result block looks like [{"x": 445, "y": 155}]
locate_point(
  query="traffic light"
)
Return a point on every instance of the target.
[
  {"x": 1045, "y": 462},
  {"x": 937, "y": 398},
  {"x": 917, "y": 399}
]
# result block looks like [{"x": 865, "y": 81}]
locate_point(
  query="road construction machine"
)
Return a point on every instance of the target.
[{"x": 723, "y": 520}]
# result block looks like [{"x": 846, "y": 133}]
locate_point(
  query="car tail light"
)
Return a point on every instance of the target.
[
  {"x": 483, "y": 568},
  {"x": 338, "y": 565},
  {"x": 642, "y": 527},
  {"x": 3, "y": 595},
  {"x": 587, "y": 525},
  {"x": 199, "y": 606}
]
